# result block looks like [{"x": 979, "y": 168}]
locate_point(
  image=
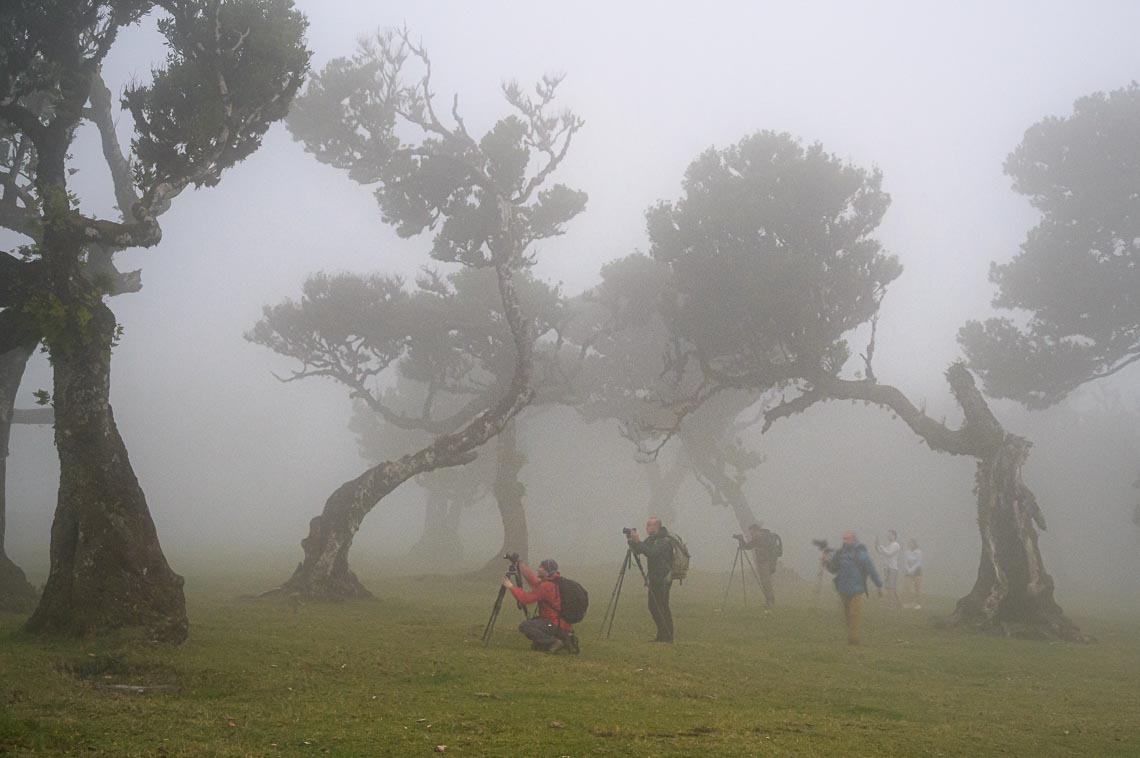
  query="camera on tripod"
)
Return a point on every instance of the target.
[
  {"x": 627, "y": 530},
  {"x": 822, "y": 546},
  {"x": 512, "y": 557},
  {"x": 738, "y": 537}
]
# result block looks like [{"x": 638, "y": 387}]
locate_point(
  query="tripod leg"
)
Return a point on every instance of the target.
[
  {"x": 731, "y": 576},
  {"x": 494, "y": 615},
  {"x": 611, "y": 609}
]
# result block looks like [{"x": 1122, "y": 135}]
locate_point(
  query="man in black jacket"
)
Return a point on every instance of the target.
[{"x": 658, "y": 551}]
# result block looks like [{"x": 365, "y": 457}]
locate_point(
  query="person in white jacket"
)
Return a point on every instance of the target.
[
  {"x": 912, "y": 568},
  {"x": 891, "y": 551}
]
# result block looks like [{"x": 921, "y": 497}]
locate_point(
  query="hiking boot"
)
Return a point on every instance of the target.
[{"x": 555, "y": 646}]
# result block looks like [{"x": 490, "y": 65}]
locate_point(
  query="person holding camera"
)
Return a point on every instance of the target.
[
  {"x": 766, "y": 548},
  {"x": 547, "y": 631},
  {"x": 851, "y": 565},
  {"x": 658, "y": 551}
]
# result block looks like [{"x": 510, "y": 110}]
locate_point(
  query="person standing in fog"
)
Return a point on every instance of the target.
[
  {"x": 851, "y": 565},
  {"x": 891, "y": 552},
  {"x": 912, "y": 567},
  {"x": 658, "y": 551}
]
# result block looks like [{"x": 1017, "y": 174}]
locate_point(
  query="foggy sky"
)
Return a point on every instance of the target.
[{"x": 936, "y": 95}]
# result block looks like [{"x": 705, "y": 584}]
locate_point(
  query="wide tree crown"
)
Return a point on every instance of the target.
[
  {"x": 773, "y": 258},
  {"x": 1078, "y": 272}
]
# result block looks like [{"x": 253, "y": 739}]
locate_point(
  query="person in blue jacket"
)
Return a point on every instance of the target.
[{"x": 851, "y": 565}]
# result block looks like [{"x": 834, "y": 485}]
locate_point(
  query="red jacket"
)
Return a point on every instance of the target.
[{"x": 545, "y": 593}]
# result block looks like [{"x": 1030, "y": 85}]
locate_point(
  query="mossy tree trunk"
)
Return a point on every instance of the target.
[{"x": 107, "y": 567}]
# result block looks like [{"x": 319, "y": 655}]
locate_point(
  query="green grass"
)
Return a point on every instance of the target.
[{"x": 407, "y": 671}]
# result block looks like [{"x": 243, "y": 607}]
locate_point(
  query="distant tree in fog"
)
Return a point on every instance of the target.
[
  {"x": 489, "y": 200},
  {"x": 774, "y": 265},
  {"x": 231, "y": 70},
  {"x": 624, "y": 376},
  {"x": 451, "y": 353},
  {"x": 1077, "y": 276}
]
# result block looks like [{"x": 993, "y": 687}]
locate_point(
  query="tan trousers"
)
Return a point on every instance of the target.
[{"x": 852, "y": 606}]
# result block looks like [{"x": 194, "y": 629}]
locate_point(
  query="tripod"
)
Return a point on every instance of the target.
[
  {"x": 515, "y": 576},
  {"x": 740, "y": 560},
  {"x": 611, "y": 609}
]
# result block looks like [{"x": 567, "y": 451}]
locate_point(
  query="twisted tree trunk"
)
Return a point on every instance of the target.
[
  {"x": 17, "y": 595},
  {"x": 324, "y": 571},
  {"x": 1013, "y": 593},
  {"x": 107, "y": 568}
]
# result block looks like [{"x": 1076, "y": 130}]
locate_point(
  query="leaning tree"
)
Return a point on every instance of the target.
[
  {"x": 1077, "y": 275},
  {"x": 231, "y": 70},
  {"x": 489, "y": 200},
  {"x": 451, "y": 353},
  {"x": 775, "y": 265}
]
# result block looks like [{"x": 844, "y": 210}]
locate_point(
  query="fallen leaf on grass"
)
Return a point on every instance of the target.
[
  {"x": 440, "y": 748},
  {"x": 557, "y": 725}
]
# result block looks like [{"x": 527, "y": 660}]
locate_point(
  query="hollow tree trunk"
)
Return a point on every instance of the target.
[
  {"x": 17, "y": 595},
  {"x": 1013, "y": 593},
  {"x": 509, "y": 492},
  {"x": 324, "y": 571},
  {"x": 107, "y": 567}
]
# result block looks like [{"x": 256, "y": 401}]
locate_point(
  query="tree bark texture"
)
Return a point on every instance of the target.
[
  {"x": 324, "y": 570},
  {"x": 107, "y": 567},
  {"x": 17, "y": 595},
  {"x": 1013, "y": 593}
]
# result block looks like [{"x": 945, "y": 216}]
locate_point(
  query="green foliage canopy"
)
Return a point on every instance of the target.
[{"x": 1078, "y": 271}]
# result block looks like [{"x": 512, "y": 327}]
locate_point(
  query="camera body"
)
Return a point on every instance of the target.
[
  {"x": 738, "y": 537},
  {"x": 627, "y": 530},
  {"x": 822, "y": 545},
  {"x": 512, "y": 557}
]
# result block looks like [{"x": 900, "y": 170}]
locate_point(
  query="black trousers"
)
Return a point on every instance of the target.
[
  {"x": 659, "y": 608},
  {"x": 541, "y": 632}
]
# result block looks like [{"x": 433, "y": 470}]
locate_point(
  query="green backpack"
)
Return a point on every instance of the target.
[{"x": 680, "y": 558}]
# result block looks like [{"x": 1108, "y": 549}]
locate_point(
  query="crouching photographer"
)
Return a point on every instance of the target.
[{"x": 549, "y": 631}]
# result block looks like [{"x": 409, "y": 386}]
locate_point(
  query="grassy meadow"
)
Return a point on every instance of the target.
[{"x": 407, "y": 672}]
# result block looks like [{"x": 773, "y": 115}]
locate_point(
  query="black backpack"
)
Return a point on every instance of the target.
[{"x": 574, "y": 599}]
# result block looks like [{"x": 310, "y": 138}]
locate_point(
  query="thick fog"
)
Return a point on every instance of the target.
[{"x": 935, "y": 95}]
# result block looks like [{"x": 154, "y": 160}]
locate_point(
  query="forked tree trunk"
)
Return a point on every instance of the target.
[
  {"x": 17, "y": 595},
  {"x": 722, "y": 488},
  {"x": 107, "y": 567},
  {"x": 324, "y": 571},
  {"x": 509, "y": 493},
  {"x": 1013, "y": 594}
]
